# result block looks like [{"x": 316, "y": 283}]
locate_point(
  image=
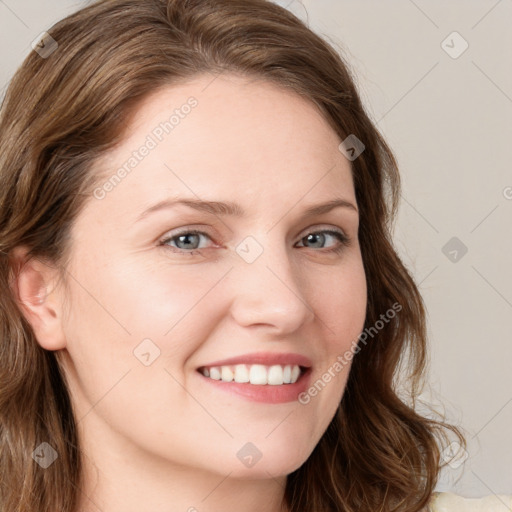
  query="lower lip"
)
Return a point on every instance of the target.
[{"x": 266, "y": 393}]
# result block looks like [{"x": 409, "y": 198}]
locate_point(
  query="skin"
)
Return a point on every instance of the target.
[{"x": 160, "y": 437}]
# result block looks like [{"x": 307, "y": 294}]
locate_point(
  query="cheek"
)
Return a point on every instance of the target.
[
  {"x": 126, "y": 327},
  {"x": 115, "y": 309},
  {"x": 342, "y": 305},
  {"x": 342, "y": 311}
]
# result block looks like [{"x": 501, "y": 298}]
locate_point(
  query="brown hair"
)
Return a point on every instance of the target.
[{"x": 64, "y": 111}]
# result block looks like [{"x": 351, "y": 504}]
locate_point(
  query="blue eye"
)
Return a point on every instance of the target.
[
  {"x": 184, "y": 239},
  {"x": 343, "y": 239},
  {"x": 190, "y": 239}
]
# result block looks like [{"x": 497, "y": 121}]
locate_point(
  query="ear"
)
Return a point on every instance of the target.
[{"x": 35, "y": 289}]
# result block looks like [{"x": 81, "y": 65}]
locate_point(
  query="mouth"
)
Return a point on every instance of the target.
[{"x": 256, "y": 374}]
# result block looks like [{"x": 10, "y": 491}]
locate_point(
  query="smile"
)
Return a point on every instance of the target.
[{"x": 257, "y": 374}]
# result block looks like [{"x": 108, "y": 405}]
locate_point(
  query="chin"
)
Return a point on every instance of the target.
[{"x": 266, "y": 467}]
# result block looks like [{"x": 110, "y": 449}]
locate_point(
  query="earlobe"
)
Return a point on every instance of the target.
[{"x": 34, "y": 288}]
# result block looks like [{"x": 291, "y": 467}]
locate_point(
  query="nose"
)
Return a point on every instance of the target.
[{"x": 270, "y": 291}]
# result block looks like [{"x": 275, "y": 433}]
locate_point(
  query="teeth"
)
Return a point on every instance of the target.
[
  {"x": 295, "y": 373},
  {"x": 287, "y": 374},
  {"x": 275, "y": 375},
  {"x": 214, "y": 373},
  {"x": 256, "y": 374},
  {"x": 241, "y": 373},
  {"x": 226, "y": 374}
]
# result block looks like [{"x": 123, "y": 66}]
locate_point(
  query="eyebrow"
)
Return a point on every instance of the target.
[{"x": 223, "y": 208}]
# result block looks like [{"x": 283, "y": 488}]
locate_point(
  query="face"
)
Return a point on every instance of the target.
[{"x": 159, "y": 293}]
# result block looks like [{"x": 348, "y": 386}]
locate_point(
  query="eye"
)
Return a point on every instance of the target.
[
  {"x": 319, "y": 237},
  {"x": 185, "y": 240}
]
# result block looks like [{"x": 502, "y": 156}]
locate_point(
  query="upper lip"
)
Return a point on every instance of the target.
[{"x": 265, "y": 358}]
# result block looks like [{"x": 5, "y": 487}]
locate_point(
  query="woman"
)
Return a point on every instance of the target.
[{"x": 253, "y": 371}]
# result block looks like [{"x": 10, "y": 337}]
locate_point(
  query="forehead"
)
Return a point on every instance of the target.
[{"x": 228, "y": 136}]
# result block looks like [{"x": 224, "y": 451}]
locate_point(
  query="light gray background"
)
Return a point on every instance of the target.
[{"x": 449, "y": 121}]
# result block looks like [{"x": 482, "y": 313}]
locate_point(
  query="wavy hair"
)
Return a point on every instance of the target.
[{"x": 63, "y": 111}]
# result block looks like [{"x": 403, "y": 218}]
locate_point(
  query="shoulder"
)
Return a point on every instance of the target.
[{"x": 449, "y": 502}]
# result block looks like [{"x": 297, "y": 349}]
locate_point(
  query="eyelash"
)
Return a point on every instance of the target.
[{"x": 342, "y": 238}]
